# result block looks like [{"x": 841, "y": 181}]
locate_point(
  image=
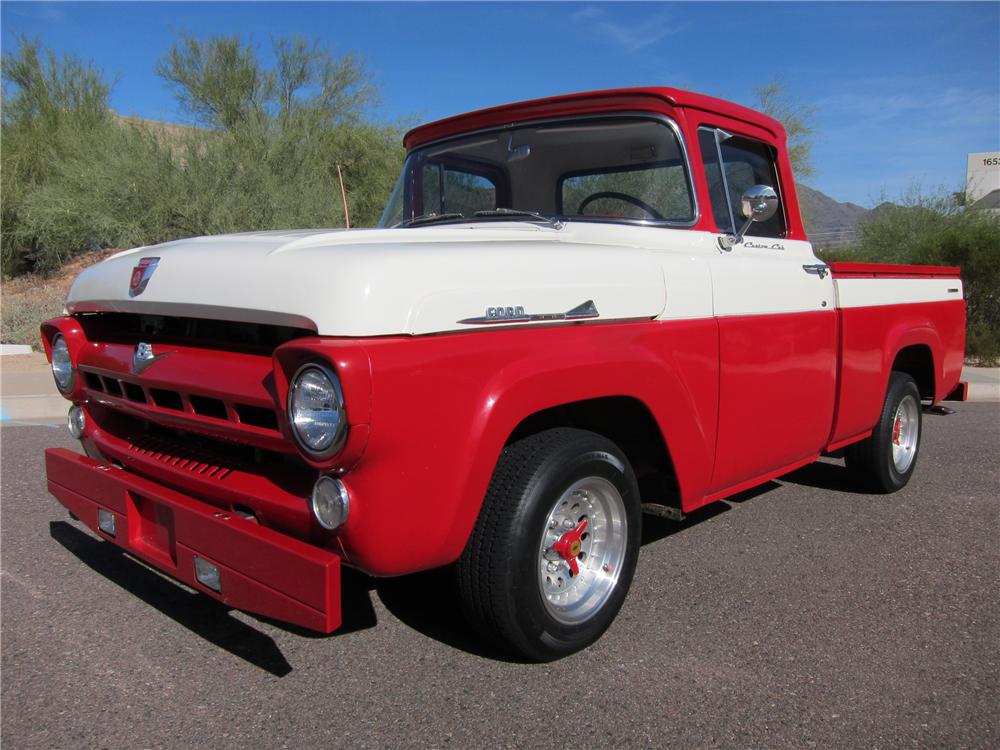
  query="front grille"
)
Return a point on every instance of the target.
[
  {"x": 172, "y": 453},
  {"x": 256, "y": 416},
  {"x": 164, "y": 398}
]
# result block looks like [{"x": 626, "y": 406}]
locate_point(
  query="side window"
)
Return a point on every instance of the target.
[
  {"x": 745, "y": 162},
  {"x": 450, "y": 190}
]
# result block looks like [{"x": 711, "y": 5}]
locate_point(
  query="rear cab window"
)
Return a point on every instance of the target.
[
  {"x": 656, "y": 191},
  {"x": 451, "y": 189}
]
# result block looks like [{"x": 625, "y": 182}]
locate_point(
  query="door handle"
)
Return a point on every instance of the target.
[{"x": 820, "y": 269}]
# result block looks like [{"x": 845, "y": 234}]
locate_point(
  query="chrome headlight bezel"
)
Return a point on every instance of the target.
[
  {"x": 62, "y": 364},
  {"x": 338, "y": 433},
  {"x": 330, "y": 503}
]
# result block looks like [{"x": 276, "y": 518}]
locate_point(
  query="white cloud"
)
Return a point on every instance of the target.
[
  {"x": 41, "y": 11},
  {"x": 628, "y": 37}
]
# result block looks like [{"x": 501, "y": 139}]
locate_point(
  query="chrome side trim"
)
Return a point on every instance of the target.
[{"x": 496, "y": 315}]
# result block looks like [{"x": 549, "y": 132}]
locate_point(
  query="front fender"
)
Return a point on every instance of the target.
[{"x": 443, "y": 408}]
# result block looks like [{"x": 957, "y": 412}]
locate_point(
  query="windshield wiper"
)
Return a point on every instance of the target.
[
  {"x": 427, "y": 218},
  {"x": 503, "y": 212}
]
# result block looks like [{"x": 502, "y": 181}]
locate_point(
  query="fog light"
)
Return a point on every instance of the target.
[
  {"x": 207, "y": 574},
  {"x": 106, "y": 522},
  {"x": 76, "y": 421},
  {"x": 330, "y": 502}
]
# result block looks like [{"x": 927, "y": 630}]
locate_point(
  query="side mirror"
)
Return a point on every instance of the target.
[{"x": 759, "y": 203}]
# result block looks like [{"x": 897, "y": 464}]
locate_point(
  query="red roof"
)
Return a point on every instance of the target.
[{"x": 648, "y": 98}]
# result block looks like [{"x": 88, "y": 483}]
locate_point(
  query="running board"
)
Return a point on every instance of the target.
[
  {"x": 663, "y": 511},
  {"x": 937, "y": 409}
]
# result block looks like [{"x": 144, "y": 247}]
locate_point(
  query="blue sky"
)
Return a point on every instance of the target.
[{"x": 903, "y": 91}]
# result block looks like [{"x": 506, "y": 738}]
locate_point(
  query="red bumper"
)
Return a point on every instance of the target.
[{"x": 261, "y": 571}]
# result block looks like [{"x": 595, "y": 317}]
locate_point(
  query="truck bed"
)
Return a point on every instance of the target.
[{"x": 886, "y": 312}]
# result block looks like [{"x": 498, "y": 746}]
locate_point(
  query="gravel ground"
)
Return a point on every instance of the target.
[{"x": 802, "y": 614}]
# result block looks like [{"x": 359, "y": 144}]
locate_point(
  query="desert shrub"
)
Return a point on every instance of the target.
[{"x": 22, "y": 314}]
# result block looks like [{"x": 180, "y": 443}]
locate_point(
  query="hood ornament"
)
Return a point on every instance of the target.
[
  {"x": 144, "y": 357},
  {"x": 141, "y": 275},
  {"x": 517, "y": 314}
]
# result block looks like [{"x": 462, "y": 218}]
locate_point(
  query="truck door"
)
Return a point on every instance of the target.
[{"x": 774, "y": 303}]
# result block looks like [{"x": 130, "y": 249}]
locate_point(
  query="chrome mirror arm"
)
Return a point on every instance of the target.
[
  {"x": 759, "y": 203},
  {"x": 729, "y": 241}
]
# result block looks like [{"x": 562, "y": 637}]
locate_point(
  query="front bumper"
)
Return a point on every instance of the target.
[{"x": 261, "y": 571}]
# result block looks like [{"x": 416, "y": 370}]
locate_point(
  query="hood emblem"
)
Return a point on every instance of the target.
[
  {"x": 141, "y": 275},
  {"x": 517, "y": 314},
  {"x": 144, "y": 357}
]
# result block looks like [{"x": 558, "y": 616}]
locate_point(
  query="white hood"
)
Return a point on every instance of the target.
[{"x": 381, "y": 281}]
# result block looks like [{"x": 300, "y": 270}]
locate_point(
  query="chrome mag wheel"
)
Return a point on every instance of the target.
[
  {"x": 583, "y": 549},
  {"x": 905, "y": 433}
]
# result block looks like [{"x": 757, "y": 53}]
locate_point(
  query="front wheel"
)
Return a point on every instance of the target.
[
  {"x": 553, "y": 552},
  {"x": 885, "y": 461}
]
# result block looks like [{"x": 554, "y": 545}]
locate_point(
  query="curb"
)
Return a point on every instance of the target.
[
  {"x": 33, "y": 407},
  {"x": 984, "y": 392},
  {"x": 15, "y": 349}
]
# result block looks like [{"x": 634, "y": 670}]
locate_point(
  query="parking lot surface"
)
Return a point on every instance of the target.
[{"x": 802, "y": 614}]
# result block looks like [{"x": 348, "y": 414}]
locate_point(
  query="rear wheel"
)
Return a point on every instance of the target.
[
  {"x": 885, "y": 461},
  {"x": 553, "y": 552}
]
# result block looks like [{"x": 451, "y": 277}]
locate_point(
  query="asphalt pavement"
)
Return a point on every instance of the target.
[{"x": 803, "y": 614}]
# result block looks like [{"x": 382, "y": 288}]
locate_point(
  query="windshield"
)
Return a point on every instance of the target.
[{"x": 614, "y": 169}]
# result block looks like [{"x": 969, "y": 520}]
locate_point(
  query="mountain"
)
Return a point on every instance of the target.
[{"x": 829, "y": 224}]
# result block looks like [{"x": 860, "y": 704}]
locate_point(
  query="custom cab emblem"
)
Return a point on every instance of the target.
[
  {"x": 141, "y": 275},
  {"x": 517, "y": 314},
  {"x": 144, "y": 357}
]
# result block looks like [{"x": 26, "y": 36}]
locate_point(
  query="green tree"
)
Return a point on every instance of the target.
[
  {"x": 223, "y": 83},
  {"x": 797, "y": 118},
  {"x": 47, "y": 101},
  {"x": 279, "y": 133},
  {"x": 264, "y": 156}
]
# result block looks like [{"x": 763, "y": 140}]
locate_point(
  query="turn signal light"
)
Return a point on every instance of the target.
[{"x": 207, "y": 574}]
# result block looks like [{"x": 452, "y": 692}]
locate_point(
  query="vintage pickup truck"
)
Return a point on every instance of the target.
[{"x": 573, "y": 309}]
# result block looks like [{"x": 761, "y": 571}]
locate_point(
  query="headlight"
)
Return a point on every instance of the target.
[
  {"x": 62, "y": 366},
  {"x": 316, "y": 411}
]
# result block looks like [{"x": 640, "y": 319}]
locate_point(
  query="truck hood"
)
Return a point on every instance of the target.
[{"x": 376, "y": 282}]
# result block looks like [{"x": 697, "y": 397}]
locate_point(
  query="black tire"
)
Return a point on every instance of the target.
[
  {"x": 500, "y": 571},
  {"x": 871, "y": 460}
]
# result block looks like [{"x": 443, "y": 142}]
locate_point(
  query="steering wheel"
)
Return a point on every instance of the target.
[{"x": 624, "y": 197}]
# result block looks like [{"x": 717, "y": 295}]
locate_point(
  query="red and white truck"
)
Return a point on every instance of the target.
[{"x": 572, "y": 307}]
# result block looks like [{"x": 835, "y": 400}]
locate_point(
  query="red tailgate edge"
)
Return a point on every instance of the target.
[
  {"x": 261, "y": 570},
  {"x": 845, "y": 269}
]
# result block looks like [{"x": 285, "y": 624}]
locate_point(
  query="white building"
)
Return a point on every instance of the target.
[{"x": 982, "y": 181}]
